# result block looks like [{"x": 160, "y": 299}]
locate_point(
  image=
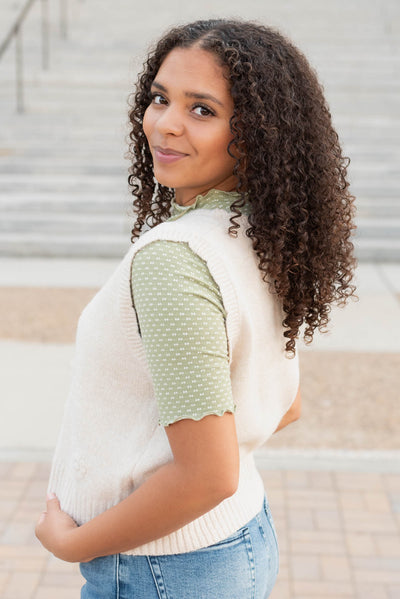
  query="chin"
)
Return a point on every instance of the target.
[
  {"x": 164, "y": 179},
  {"x": 169, "y": 182}
]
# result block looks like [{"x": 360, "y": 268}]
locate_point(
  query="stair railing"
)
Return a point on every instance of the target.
[{"x": 16, "y": 32}]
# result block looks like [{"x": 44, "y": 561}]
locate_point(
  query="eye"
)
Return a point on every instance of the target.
[
  {"x": 157, "y": 98},
  {"x": 203, "y": 110}
]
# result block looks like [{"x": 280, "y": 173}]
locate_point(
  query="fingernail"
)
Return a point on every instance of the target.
[{"x": 51, "y": 496}]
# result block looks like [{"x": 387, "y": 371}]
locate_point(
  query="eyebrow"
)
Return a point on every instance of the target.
[{"x": 198, "y": 96}]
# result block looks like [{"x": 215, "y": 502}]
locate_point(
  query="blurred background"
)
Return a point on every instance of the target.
[{"x": 67, "y": 68}]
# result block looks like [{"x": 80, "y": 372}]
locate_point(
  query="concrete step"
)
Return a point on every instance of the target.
[
  {"x": 115, "y": 245},
  {"x": 372, "y": 207},
  {"x": 377, "y": 250},
  {"x": 57, "y": 202},
  {"x": 62, "y": 167},
  {"x": 117, "y": 201},
  {"x": 378, "y": 228},
  {"x": 84, "y": 93},
  {"x": 377, "y": 189},
  {"x": 86, "y": 237},
  {"x": 79, "y": 97},
  {"x": 118, "y": 218},
  {"x": 88, "y": 246},
  {"x": 65, "y": 224},
  {"x": 67, "y": 182}
]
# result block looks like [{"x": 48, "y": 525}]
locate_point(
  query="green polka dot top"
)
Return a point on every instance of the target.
[{"x": 181, "y": 319}]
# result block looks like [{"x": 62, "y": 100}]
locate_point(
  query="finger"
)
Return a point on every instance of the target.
[
  {"x": 42, "y": 517},
  {"x": 52, "y": 502}
]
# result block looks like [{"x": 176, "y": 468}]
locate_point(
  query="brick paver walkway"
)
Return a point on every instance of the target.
[{"x": 339, "y": 535}]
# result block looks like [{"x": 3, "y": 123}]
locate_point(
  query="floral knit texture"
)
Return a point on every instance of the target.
[{"x": 182, "y": 322}]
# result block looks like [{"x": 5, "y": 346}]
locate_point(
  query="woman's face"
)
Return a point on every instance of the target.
[{"x": 187, "y": 125}]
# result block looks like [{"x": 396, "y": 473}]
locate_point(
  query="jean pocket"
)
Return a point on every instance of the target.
[
  {"x": 225, "y": 570},
  {"x": 233, "y": 539}
]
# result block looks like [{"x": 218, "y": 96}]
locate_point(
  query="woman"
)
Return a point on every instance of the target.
[{"x": 186, "y": 359}]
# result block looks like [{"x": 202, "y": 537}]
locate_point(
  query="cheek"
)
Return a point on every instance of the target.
[
  {"x": 216, "y": 143},
  {"x": 220, "y": 149},
  {"x": 225, "y": 136},
  {"x": 147, "y": 123}
]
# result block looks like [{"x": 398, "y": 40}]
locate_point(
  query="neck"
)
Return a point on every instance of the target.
[{"x": 185, "y": 197}]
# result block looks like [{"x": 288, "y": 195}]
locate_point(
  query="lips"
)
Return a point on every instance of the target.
[
  {"x": 167, "y": 155},
  {"x": 169, "y": 151}
]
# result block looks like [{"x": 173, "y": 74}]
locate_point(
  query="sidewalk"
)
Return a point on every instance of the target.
[
  {"x": 345, "y": 374},
  {"x": 336, "y": 501},
  {"x": 338, "y": 533},
  {"x": 337, "y": 511}
]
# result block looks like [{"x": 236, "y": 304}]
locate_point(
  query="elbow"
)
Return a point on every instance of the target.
[
  {"x": 223, "y": 492},
  {"x": 210, "y": 487},
  {"x": 227, "y": 485},
  {"x": 295, "y": 409},
  {"x": 297, "y": 413},
  {"x": 229, "y": 478},
  {"x": 222, "y": 480},
  {"x": 221, "y": 487},
  {"x": 230, "y": 488}
]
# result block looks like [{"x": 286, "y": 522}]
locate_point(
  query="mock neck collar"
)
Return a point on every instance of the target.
[{"x": 214, "y": 198}]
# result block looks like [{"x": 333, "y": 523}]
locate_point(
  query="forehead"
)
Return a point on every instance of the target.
[{"x": 193, "y": 68}]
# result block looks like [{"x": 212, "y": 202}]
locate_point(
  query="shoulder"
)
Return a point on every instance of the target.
[
  {"x": 171, "y": 266},
  {"x": 168, "y": 255}
]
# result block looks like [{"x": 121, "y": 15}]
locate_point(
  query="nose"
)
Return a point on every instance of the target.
[{"x": 170, "y": 121}]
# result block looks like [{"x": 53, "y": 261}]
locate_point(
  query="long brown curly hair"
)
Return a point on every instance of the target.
[{"x": 289, "y": 167}]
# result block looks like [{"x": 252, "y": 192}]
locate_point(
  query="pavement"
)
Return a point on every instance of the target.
[
  {"x": 338, "y": 534},
  {"x": 345, "y": 373},
  {"x": 336, "y": 508}
]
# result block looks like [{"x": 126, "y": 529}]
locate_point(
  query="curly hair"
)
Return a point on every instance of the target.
[{"x": 289, "y": 167}]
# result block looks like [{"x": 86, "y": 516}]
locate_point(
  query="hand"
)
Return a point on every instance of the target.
[{"x": 55, "y": 530}]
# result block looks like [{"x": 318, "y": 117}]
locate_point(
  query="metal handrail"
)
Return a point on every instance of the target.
[{"x": 16, "y": 31}]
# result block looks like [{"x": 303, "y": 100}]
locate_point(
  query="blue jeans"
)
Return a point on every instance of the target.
[{"x": 242, "y": 566}]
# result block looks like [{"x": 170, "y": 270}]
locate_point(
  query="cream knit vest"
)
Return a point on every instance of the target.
[{"x": 110, "y": 441}]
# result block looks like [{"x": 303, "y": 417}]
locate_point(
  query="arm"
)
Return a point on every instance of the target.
[
  {"x": 204, "y": 471},
  {"x": 292, "y": 414}
]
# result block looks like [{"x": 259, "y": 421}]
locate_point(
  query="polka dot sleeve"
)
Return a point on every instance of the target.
[{"x": 182, "y": 322}]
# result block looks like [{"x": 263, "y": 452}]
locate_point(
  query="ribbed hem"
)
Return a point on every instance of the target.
[{"x": 217, "y": 524}]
